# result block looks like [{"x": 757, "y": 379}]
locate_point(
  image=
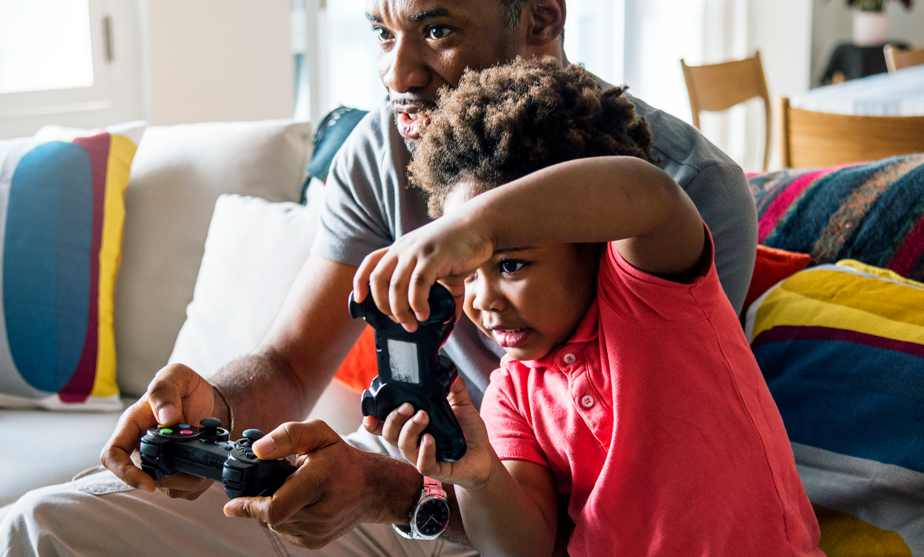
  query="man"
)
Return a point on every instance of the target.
[{"x": 345, "y": 499}]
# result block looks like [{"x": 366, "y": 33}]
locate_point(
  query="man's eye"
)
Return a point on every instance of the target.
[
  {"x": 438, "y": 32},
  {"x": 511, "y": 265},
  {"x": 381, "y": 33}
]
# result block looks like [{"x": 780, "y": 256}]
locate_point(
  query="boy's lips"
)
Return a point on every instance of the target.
[
  {"x": 409, "y": 124},
  {"x": 510, "y": 338}
]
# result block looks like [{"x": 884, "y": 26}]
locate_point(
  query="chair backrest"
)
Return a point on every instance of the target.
[
  {"x": 718, "y": 87},
  {"x": 897, "y": 58},
  {"x": 815, "y": 139}
]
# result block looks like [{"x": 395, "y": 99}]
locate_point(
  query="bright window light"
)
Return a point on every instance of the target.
[{"x": 44, "y": 45}]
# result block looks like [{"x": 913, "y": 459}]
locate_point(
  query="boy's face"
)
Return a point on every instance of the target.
[{"x": 531, "y": 299}]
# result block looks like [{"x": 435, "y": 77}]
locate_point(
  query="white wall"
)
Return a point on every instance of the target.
[{"x": 218, "y": 60}]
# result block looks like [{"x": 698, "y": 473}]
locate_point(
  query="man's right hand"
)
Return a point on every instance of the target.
[{"x": 177, "y": 394}]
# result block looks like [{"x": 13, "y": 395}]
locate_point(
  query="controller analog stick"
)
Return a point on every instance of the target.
[
  {"x": 211, "y": 423},
  {"x": 253, "y": 434}
]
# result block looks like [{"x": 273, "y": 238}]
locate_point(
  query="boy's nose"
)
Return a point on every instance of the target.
[{"x": 486, "y": 296}]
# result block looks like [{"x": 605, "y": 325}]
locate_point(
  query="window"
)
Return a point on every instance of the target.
[
  {"x": 58, "y": 64},
  {"x": 51, "y": 42}
]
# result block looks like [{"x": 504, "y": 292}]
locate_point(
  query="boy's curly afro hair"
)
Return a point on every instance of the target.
[{"x": 508, "y": 121}]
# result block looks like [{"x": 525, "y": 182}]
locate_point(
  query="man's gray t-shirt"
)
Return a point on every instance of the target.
[{"x": 369, "y": 203}]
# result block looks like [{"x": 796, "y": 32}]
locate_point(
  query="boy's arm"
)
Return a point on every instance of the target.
[
  {"x": 625, "y": 200},
  {"x": 515, "y": 513},
  {"x": 507, "y": 508},
  {"x": 655, "y": 225}
]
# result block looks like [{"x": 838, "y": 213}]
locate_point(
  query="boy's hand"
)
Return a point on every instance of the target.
[
  {"x": 403, "y": 429},
  {"x": 399, "y": 277}
]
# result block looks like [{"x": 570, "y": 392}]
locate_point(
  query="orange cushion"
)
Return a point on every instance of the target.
[
  {"x": 359, "y": 367},
  {"x": 771, "y": 266}
]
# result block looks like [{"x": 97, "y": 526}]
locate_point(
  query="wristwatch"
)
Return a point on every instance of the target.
[{"x": 430, "y": 517}]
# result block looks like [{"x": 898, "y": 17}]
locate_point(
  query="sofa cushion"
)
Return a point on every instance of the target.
[
  {"x": 178, "y": 174},
  {"x": 253, "y": 253},
  {"x": 62, "y": 206},
  {"x": 842, "y": 350},
  {"x": 871, "y": 212}
]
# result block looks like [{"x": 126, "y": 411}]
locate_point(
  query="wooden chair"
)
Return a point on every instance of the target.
[
  {"x": 897, "y": 58},
  {"x": 718, "y": 87},
  {"x": 815, "y": 139}
]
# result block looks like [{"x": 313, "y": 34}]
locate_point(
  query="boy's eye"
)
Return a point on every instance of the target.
[
  {"x": 511, "y": 265},
  {"x": 438, "y": 32}
]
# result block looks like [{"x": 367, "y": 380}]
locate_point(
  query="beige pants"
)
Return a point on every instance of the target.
[{"x": 98, "y": 514}]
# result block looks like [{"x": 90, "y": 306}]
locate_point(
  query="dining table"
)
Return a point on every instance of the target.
[{"x": 899, "y": 93}]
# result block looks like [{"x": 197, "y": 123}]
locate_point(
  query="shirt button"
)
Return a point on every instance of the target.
[
  {"x": 570, "y": 358},
  {"x": 587, "y": 401}
]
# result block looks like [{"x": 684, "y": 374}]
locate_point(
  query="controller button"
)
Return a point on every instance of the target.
[
  {"x": 166, "y": 431},
  {"x": 186, "y": 432},
  {"x": 587, "y": 401},
  {"x": 570, "y": 358},
  {"x": 183, "y": 426},
  {"x": 232, "y": 475},
  {"x": 249, "y": 454}
]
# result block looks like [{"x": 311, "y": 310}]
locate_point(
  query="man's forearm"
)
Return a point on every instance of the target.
[{"x": 262, "y": 392}]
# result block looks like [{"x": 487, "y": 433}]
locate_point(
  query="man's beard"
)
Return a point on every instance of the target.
[{"x": 411, "y": 145}]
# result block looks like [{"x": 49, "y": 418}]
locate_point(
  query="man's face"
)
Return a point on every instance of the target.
[{"x": 427, "y": 44}]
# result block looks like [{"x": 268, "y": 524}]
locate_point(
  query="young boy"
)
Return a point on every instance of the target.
[{"x": 627, "y": 383}]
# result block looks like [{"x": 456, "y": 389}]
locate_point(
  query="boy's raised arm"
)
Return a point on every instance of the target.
[{"x": 626, "y": 200}]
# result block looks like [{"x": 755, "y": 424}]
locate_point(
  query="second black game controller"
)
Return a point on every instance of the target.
[
  {"x": 411, "y": 369},
  {"x": 206, "y": 452}
]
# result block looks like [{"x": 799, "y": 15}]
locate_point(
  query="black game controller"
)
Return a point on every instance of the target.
[
  {"x": 206, "y": 452},
  {"x": 411, "y": 369}
]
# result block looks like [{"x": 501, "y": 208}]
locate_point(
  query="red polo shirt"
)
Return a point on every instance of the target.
[{"x": 657, "y": 421}]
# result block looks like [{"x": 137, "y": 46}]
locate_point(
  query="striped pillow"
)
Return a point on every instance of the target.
[
  {"x": 872, "y": 212},
  {"x": 61, "y": 207},
  {"x": 842, "y": 350}
]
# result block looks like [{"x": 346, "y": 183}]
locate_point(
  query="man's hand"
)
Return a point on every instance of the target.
[
  {"x": 176, "y": 395},
  {"x": 335, "y": 488}
]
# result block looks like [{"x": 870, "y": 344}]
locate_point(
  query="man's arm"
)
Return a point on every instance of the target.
[{"x": 281, "y": 381}]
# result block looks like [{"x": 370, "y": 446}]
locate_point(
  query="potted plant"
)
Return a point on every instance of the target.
[{"x": 870, "y": 22}]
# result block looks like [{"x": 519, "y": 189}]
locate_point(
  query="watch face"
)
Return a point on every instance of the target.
[{"x": 432, "y": 517}]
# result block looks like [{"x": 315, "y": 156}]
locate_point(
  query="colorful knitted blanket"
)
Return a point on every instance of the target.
[{"x": 872, "y": 212}]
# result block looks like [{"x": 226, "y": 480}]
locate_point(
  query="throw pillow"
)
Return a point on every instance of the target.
[
  {"x": 772, "y": 265},
  {"x": 842, "y": 350},
  {"x": 62, "y": 211},
  {"x": 253, "y": 253},
  {"x": 177, "y": 176},
  {"x": 872, "y": 212}
]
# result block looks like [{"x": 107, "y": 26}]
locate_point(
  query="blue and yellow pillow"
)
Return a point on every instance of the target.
[
  {"x": 61, "y": 217},
  {"x": 842, "y": 350}
]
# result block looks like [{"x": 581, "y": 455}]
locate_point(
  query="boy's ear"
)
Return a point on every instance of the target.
[{"x": 545, "y": 20}]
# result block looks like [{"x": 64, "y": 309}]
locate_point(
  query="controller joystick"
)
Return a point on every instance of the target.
[
  {"x": 207, "y": 453},
  {"x": 411, "y": 369}
]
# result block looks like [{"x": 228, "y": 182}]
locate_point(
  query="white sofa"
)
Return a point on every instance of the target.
[{"x": 248, "y": 257}]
